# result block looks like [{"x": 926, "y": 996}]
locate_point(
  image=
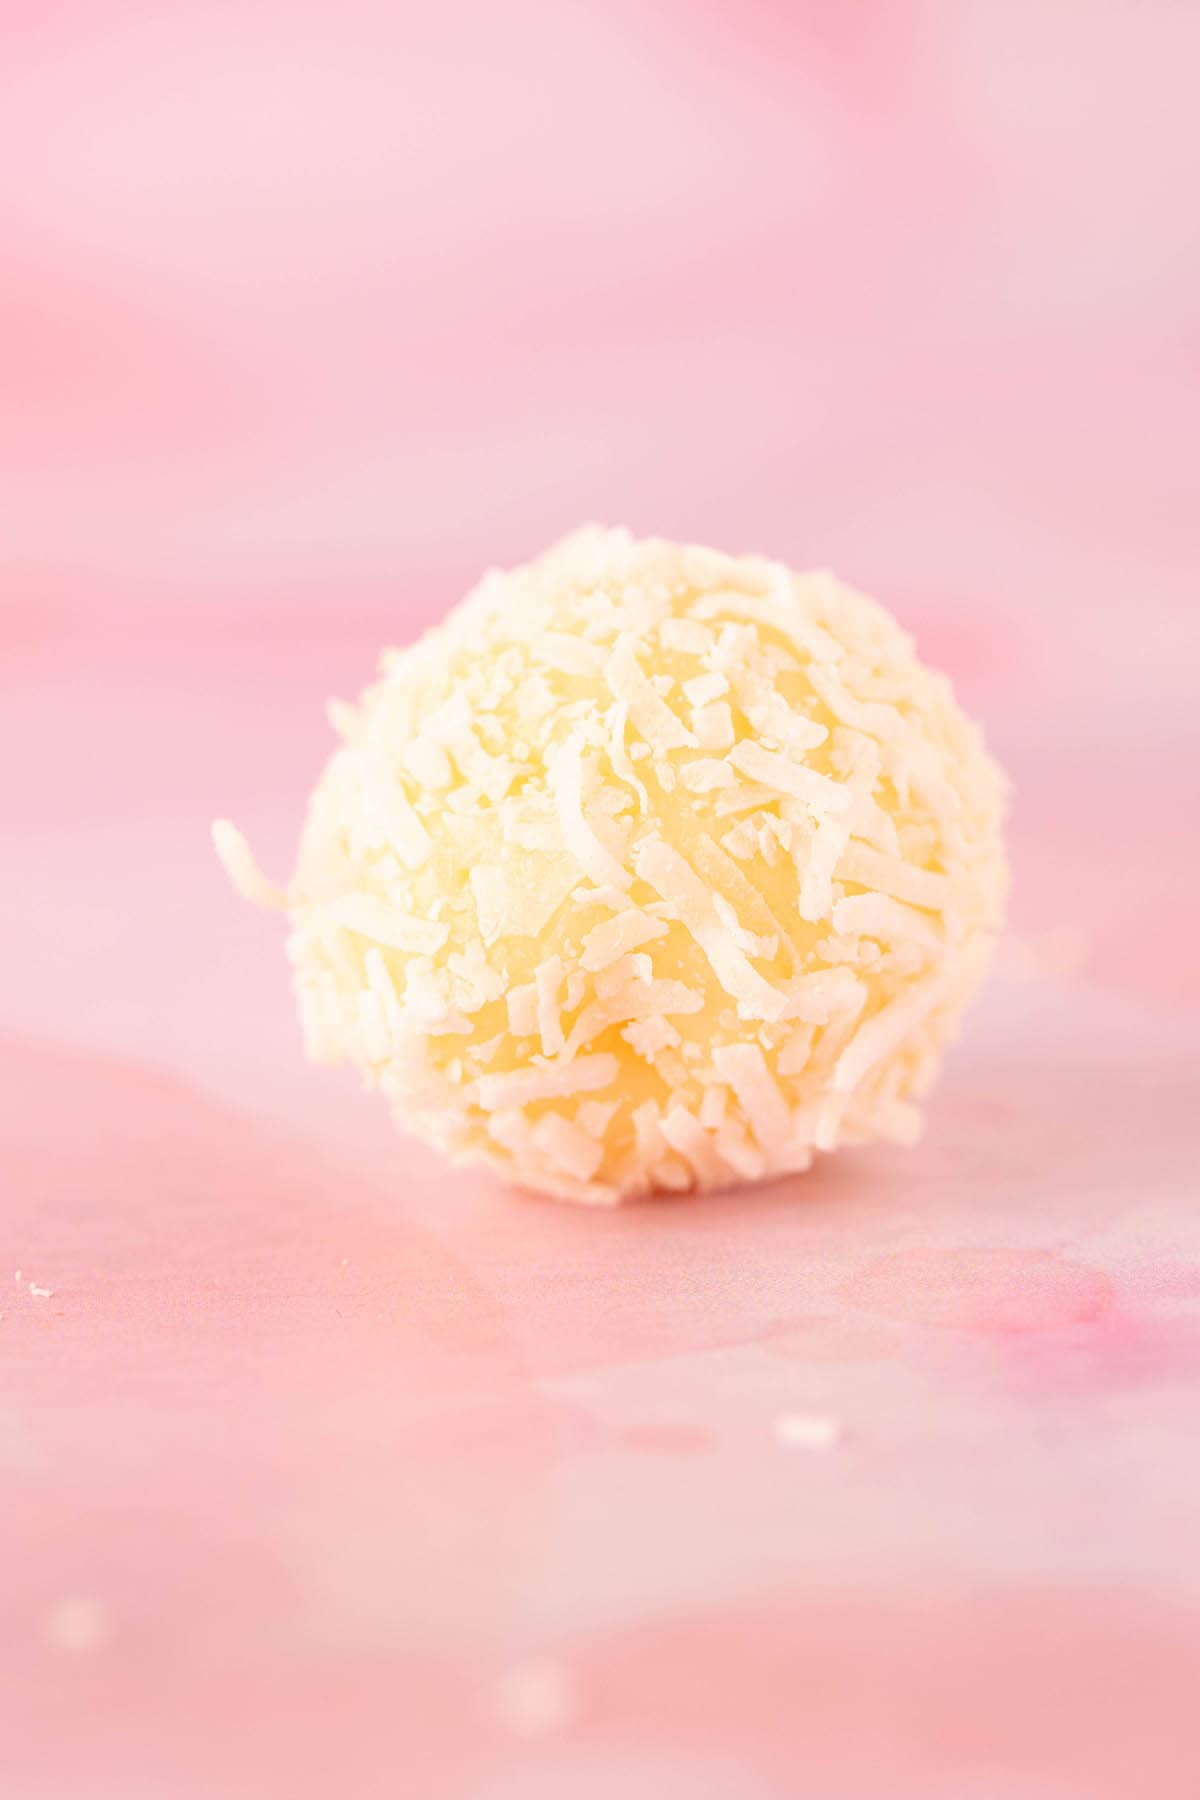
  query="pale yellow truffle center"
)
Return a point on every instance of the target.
[{"x": 649, "y": 868}]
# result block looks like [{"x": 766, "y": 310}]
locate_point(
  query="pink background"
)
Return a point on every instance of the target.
[{"x": 324, "y": 1471}]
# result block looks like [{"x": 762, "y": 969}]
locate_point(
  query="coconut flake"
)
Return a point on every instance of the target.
[
  {"x": 725, "y": 878},
  {"x": 490, "y": 890},
  {"x": 712, "y": 1105},
  {"x": 705, "y": 773},
  {"x": 713, "y": 725},
  {"x": 649, "y": 1037},
  {"x": 595, "y": 1116},
  {"x": 795, "y": 1051},
  {"x": 385, "y": 816},
  {"x": 816, "y": 998},
  {"x": 890, "y": 875},
  {"x": 734, "y": 1148},
  {"x": 684, "y": 1132},
  {"x": 569, "y": 655},
  {"x": 619, "y": 757},
  {"x": 745, "y": 1068},
  {"x": 557, "y": 1081},
  {"x": 703, "y": 689},
  {"x": 781, "y": 610},
  {"x": 826, "y": 848},
  {"x": 648, "y": 713},
  {"x": 375, "y": 919},
  {"x": 477, "y": 983},
  {"x": 766, "y": 947},
  {"x": 783, "y": 776},
  {"x": 687, "y": 636},
  {"x": 522, "y": 1007},
  {"x": 237, "y": 860},
  {"x": 547, "y": 978},
  {"x": 637, "y": 1000},
  {"x": 628, "y": 971},
  {"x": 567, "y": 780},
  {"x": 879, "y": 916},
  {"x": 428, "y": 763},
  {"x": 647, "y": 1122},
  {"x": 879, "y": 1035},
  {"x": 386, "y": 997},
  {"x": 614, "y": 938},
  {"x": 567, "y": 1146},
  {"x": 670, "y": 875}
]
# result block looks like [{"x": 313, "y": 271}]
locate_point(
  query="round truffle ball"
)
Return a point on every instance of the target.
[{"x": 650, "y": 868}]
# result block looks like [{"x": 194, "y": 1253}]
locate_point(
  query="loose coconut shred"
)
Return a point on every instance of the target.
[{"x": 650, "y": 868}]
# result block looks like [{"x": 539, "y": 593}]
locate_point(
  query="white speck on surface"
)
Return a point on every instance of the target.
[
  {"x": 536, "y": 1698},
  {"x": 77, "y": 1625},
  {"x": 806, "y": 1431},
  {"x": 40, "y": 1293},
  {"x": 16, "y": 1274}
]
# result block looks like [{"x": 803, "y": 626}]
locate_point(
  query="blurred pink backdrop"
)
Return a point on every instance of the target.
[{"x": 366, "y": 1479}]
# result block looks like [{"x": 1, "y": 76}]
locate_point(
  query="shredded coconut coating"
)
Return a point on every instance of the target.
[{"x": 650, "y": 868}]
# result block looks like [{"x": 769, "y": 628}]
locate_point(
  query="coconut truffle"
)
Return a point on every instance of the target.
[{"x": 649, "y": 868}]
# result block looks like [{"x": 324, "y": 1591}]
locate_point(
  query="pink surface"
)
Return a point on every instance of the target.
[{"x": 326, "y": 1471}]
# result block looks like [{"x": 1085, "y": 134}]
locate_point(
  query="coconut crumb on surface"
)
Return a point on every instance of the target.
[{"x": 33, "y": 1288}]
